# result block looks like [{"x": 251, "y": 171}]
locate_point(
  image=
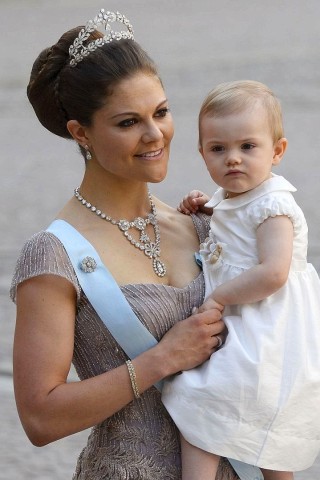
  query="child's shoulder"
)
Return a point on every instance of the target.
[{"x": 276, "y": 203}]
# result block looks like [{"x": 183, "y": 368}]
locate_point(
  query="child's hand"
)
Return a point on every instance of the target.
[
  {"x": 209, "y": 304},
  {"x": 194, "y": 202}
]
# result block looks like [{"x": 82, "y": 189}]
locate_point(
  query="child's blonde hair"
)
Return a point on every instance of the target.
[{"x": 234, "y": 97}]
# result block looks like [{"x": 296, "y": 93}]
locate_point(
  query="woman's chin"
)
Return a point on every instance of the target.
[
  {"x": 158, "y": 175},
  {"x": 157, "y": 179}
]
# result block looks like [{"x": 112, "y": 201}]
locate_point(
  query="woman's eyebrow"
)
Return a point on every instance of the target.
[{"x": 136, "y": 113}]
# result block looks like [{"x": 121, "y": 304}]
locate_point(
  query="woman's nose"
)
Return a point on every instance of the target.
[{"x": 152, "y": 133}]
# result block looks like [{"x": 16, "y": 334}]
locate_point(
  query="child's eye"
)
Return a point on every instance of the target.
[
  {"x": 217, "y": 148},
  {"x": 128, "y": 122},
  {"x": 162, "y": 112},
  {"x": 247, "y": 146}
]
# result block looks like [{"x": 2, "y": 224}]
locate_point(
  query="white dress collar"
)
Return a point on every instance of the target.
[{"x": 275, "y": 183}]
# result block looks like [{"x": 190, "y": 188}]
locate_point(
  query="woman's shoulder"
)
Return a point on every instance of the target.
[
  {"x": 40, "y": 245},
  {"x": 186, "y": 223},
  {"x": 42, "y": 253}
]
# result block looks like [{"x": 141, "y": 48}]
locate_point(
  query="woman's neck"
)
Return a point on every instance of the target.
[{"x": 121, "y": 199}]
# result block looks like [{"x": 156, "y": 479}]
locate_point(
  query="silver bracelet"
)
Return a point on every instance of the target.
[{"x": 133, "y": 379}]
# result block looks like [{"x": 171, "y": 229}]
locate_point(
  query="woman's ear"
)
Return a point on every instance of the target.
[
  {"x": 279, "y": 150},
  {"x": 78, "y": 132}
]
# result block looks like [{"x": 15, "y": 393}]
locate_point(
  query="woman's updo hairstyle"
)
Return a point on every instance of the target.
[{"x": 59, "y": 92}]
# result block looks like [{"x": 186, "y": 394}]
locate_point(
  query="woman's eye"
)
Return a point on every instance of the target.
[
  {"x": 128, "y": 122},
  {"x": 247, "y": 146},
  {"x": 162, "y": 112}
]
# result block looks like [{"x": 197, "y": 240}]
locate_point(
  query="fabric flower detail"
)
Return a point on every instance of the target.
[
  {"x": 214, "y": 256},
  {"x": 88, "y": 265},
  {"x": 211, "y": 250}
]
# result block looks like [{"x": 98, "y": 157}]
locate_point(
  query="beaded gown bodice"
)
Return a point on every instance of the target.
[{"x": 140, "y": 442}]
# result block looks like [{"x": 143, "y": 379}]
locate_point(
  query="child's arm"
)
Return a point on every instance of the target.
[
  {"x": 275, "y": 240},
  {"x": 194, "y": 202}
]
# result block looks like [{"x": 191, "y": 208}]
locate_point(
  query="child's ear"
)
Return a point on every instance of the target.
[{"x": 279, "y": 149}]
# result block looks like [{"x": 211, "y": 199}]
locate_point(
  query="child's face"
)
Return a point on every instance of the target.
[{"x": 239, "y": 150}]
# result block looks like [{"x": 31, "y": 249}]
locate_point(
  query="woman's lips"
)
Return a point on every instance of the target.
[{"x": 155, "y": 153}]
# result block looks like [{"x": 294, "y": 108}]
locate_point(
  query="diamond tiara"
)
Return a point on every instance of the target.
[{"x": 78, "y": 51}]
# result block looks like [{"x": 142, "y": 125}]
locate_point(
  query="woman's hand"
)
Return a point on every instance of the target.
[
  {"x": 194, "y": 202},
  {"x": 190, "y": 342}
]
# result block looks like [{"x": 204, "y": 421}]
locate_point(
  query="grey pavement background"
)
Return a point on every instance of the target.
[{"x": 196, "y": 45}]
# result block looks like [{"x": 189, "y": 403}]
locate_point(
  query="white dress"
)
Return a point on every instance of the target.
[{"x": 257, "y": 399}]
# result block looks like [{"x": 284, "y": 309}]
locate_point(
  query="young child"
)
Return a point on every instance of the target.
[{"x": 257, "y": 399}]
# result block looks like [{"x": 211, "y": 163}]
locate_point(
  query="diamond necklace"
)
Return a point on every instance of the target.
[{"x": 150, "y": 249}]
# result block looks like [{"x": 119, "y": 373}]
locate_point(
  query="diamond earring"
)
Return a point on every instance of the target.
[{"x": 88, "y": 153}]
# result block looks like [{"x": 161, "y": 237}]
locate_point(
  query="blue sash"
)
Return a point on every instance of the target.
[
  {"x": 114, "y": 310},
  {"x": 104, "y": 293}
]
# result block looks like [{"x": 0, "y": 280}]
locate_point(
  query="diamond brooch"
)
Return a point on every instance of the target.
[{"x": 88, "y": 265}]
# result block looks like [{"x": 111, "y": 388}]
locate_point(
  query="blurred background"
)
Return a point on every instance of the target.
[{"x": 196, "y": 46}]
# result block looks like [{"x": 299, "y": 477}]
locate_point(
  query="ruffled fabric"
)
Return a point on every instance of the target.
[{"x": 272, "y": 206}]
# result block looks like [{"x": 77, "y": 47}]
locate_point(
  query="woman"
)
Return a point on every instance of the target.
[{"x": 105, "y": 93}]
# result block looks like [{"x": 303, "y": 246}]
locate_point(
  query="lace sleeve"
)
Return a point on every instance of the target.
[{"x": 43, "y": 254}]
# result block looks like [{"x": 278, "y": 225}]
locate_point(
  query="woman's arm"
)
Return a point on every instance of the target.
[
  {"x": 49, "y": 407},
  {"x": 275, "y": 240}
]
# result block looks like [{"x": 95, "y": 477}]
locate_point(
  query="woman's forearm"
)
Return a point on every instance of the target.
[
  {"x": 49, "y": 414},
  {"x": 71, "y": 407}
]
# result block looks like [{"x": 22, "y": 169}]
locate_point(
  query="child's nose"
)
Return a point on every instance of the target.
[{"x": 233, "y": 158}]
